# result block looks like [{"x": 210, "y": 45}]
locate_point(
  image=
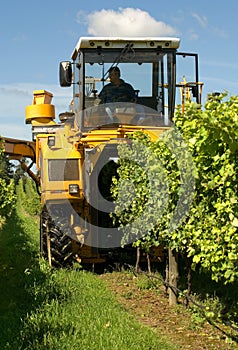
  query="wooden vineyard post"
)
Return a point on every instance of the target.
[{"x": 173, "y": 277}]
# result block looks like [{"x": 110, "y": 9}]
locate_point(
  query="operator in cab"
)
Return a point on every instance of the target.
[{"x": 117, "y": 90}]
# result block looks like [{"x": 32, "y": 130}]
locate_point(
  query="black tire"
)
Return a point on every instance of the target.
[{"x": 59, "y": 233}]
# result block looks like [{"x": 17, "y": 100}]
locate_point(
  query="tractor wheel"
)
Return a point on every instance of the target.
[{"x": 55, "y": 241}]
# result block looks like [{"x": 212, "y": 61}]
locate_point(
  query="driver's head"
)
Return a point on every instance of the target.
[{"x": 114, "y": 71}]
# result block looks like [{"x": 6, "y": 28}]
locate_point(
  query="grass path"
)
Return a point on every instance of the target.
[
  {"x": 17, "y": 253},
  {"x": 59, "y": 309}
]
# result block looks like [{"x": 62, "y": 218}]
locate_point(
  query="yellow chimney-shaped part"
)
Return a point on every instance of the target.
[
  {"x": 41, "y": 111},
  {"x": 42, "y": 97}
]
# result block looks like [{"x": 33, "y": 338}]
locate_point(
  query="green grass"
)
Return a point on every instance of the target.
[
  {"x": 17, "y": 253},
  {"x": 84, "y": 315},
  {"x": 58, "y": 309}
]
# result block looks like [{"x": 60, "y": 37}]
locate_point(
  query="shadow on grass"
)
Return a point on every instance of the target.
[
  {"x": 208, "y": 296},
  {"x": 220, "y": 299},
  {"x": 206, "y": 288},
  {"x": 17, "y": 255}
]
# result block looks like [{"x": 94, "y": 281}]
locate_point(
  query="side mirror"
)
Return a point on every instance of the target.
[{"x": 65, "y": 74}]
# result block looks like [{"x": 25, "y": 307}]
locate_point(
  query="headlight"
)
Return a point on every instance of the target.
[
  {"x": 51, "y": 141},
  {"x": 73, "y": 189}
]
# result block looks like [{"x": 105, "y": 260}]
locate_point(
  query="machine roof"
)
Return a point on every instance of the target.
[{"x": 120, "y": 42}]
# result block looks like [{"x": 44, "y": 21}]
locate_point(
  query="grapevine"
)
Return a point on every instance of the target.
[
  {"x": 208, "y": 235},
  {"x": 7, "y": 192}
]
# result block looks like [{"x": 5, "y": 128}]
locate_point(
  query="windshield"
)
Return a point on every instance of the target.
[{"x": 150, "y": 73}]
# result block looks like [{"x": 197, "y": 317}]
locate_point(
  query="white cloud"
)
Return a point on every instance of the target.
[
  {"x": 193, "y": 35},
  {"x": 13, "y": 130},
  {"x": 20, "y": 37},
  {"x": 202, "y": 20},
  {"x": 124, "y": 22},
  {"x": 224, "y": 65},
  {"x": 178, "y": 17},
  {"x": 219, "y": 32}
]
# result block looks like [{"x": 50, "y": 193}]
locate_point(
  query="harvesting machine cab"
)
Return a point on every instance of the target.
[{"x": 72, "y": 155}]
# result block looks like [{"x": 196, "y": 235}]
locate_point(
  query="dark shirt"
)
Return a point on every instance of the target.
[{"x": 122, "y": 93}]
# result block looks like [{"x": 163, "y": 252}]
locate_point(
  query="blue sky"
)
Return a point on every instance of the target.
[{"x": 36, "y": 36}]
